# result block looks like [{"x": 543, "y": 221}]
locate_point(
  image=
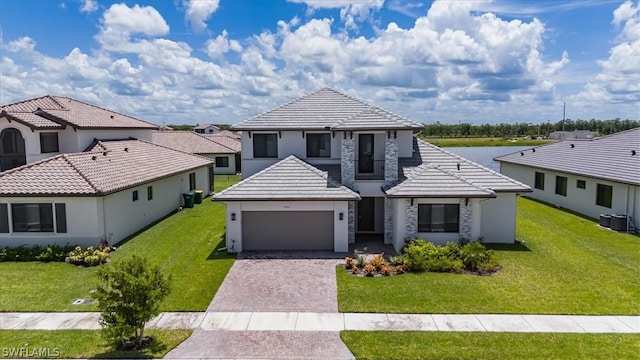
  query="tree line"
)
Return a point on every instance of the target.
[{"x": 602, "y": 127}]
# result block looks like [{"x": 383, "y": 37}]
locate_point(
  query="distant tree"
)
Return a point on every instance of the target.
[
  {"x": 129, "y": 294},
  {"x": 182, "y": 127}
]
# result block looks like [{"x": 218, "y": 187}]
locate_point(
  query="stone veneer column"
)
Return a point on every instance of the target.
[
  {"x": 388, "y": 220},
  {"x": 465, "y": 221},
  {"x": 348, "y": 159},
  {"x": 351, "y": 225},
  {"x": 390, "y": 158},
  {"x": 412, "y": 219}
]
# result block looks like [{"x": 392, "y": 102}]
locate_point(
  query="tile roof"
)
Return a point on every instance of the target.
[
  {"x": 434, "y": 172},
  {"x": 610, "y": 157},
  {"x": 204, "y": 126},
  {"x": 228, "y": 141},
  {"x": 58, "y": 111},
  {"x": 110, "y": 166},
  {"x": 327, "y": 109},
  {"x": 191, "y": 142},
  {"x": 288, "y": 179}
]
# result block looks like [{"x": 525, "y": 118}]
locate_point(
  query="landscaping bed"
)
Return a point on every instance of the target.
[{"x": 565, "y": 264}]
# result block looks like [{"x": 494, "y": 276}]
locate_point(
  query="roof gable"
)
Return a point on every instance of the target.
[
  {"x": 432, "y": 181},
  {"x": 288, "y": 179},
  {"x": 610, "y": 157},
  {"x": 327, "y": 109}
]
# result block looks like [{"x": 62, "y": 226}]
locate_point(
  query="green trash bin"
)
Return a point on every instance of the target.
[
  {"x": 188, "y": 199},
  {"x": 198, "y": 197}
]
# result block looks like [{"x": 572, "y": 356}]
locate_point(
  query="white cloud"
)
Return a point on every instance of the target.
[
  {"x": 216, "y": 48},
  {"x": 89, "y": 6},
  {"x": 134, "y": 20},
  {"x": 199, "y": 11},
  {"x": 351, "y": 11}
]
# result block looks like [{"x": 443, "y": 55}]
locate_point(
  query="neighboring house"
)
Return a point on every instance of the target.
[
  {"x": 325, "y": 167},
  {"x": 39, "y": 128},
  {"x": 230, "y": 140},
  {"x": 213, "y": 147},
  {"x": 114, "y": 189},
  {"x": 206, "y": 129},
  {"x": 573, "y": 135},
  {"x": 589, "y": 177}
]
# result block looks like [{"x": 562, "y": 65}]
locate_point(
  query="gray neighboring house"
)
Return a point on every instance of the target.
[
  {"x": 324, "y": 169},
  {"x": 595, "y": 177},
  {"x": 573, "y": 135},
  {"x": 222, "y": 150},
  {"x": 206, "y": 129}
]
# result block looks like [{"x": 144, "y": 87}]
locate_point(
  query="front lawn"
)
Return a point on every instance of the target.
[
  {"x": 184, "y": 245},
  {"x": 70, "y": 344},
  {"x": 567, "y": 265},
  {"x": 464, "y": 345}
]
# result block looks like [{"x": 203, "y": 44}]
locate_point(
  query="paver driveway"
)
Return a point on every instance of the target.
[
  {"x": 296, "y": 281},
  {"x": 263, "y": 282}
]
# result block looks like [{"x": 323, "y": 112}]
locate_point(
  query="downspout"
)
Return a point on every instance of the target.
[{"x": 626, "y": 208}]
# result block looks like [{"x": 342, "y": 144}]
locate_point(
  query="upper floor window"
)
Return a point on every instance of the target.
[
  {"x": 438, "y": 217},
  {"x": 581, "y": 184},
  {"x": 604, "y": 195},
  {"x": 149, "y": 192},
  {"x": 539, "y": 181},
  {"x": 222, "y": 161},
  {"x": 318, "y": 145},
  {"x": 49, "y": 142},
  {"x": 561, "y": 185},
  {"x": 134, "y": 195},
  {"x": 265, "y": 145}
]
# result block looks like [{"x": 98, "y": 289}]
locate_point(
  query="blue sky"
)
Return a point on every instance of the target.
[{"x": 222, "y": 61}]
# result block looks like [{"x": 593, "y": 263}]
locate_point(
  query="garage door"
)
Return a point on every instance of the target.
[{"x": 287, "y": 230}]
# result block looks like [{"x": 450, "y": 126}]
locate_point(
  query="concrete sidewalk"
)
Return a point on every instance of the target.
[{"x": 332, "y": 322}]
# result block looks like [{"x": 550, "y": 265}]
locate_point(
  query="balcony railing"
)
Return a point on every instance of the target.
[{"x": 369, "y": 170}]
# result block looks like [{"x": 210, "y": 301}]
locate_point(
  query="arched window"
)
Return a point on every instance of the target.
[{"x": 12, "y": 150}]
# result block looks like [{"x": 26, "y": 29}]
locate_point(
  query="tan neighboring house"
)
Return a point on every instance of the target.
[
  {"x": 43, "y": 127},
  {"x": 114, "y": 189},
  {"x": 221, "y": 149},
  {"x": 206, "y": 129}
]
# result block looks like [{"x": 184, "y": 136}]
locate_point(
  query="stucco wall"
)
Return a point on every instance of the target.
[
  {"x": 579, "y": 200},
  {"x": 231, "y": 169},
  {"x": 234, "y": 227},
  {"x": 499, "y": 219}
]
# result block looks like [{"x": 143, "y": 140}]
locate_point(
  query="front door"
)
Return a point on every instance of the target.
[
  {"x": 366, "y": 214},
  {"x": 365, "y": 153}
]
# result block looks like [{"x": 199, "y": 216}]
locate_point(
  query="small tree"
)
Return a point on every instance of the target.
[{"x": 129, "y": 294}]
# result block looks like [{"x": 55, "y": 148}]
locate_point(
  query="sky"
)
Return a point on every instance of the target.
[{"x": 223, "y": 61}]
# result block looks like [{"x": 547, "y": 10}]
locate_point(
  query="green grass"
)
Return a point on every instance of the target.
[
  {"x": 445, "y": 345},
  {"x": 183, "y": 245},
  {"x": 568, "y": 265},
  {"x": 221, "y": 182},
  {"x": 480, "y": 141},
  {"x": 72, "y": 344}
]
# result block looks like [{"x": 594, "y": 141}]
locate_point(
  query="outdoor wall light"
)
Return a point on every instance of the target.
[
  {"x": 341, "y": 216},
  {"x": 233, "y": 216}
]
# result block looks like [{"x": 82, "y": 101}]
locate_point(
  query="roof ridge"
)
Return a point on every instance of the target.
[
  {"x": 28, "y": 100},
  {"x": 29, "y": 165},
  {"x": 82, "y": 174},
  {"x": 324, "y": 174},
  {"x": 104, "y": 109},
  {"x": 471, "y": 162},
  {"x": 166, "y": 147},
  {"x": 216, "y": 142}
]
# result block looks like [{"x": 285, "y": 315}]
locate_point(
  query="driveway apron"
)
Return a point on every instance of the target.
[{"x": 272, "y": 282}]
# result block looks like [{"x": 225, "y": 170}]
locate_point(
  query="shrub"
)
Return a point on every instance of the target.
[
  {"x": 397, "y": 260},
  {"x": 400, "y": 269},
  {"x": 444, "y": 264},
  {"x": 368, "y": 269},
  {"x": 34, "y": 253},
  {"x": 360, "y": 258},
  {"x": 476, "y": 257},
  {"x": 90, "y": 256},
  {"x": 349, "y": 263},
  {"x": 385, "y": 270},
  {"x": 378, "y": 261},
  {"x": 129, "y": 294},
  {"x": 415, "y": 255}
]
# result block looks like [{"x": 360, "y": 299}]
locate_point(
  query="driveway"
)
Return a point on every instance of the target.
[
  {"x": 272, "y": 282},
  {"x": 283, "y": 281}
]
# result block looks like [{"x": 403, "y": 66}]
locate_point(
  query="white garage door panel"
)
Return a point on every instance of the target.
[{"x": 287, "y": 230}]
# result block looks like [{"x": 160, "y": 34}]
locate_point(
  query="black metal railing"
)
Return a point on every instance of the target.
[{"x": 369, "y": 169}]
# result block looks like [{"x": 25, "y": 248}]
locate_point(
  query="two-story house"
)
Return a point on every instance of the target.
[
  {"x": 326, "y": 167},
  {"x": 74, "y": 173}
]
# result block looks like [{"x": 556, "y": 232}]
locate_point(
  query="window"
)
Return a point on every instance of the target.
[
  {"x": 604, "y": 195},
  {"x": 192, "y": 181},
  {"x": 4, "y": 218},
  {"x": 561, "y": 185},
  {"x": 61, "y": 218},
  {"x": 49, "y": 142},
  {"x": 581, "y": 184},
  {"x": 318, "y": 145},
  {"x": 438, "y": 217},
  {"x": 135, "y": 195},
  {"x": 222, "y": 161},
  {"x": 539, "y": 184},
  {"x": 265, "y": 145},
  {"x": 32, "y": 217},
  {"x": 149, "y": 192}
]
